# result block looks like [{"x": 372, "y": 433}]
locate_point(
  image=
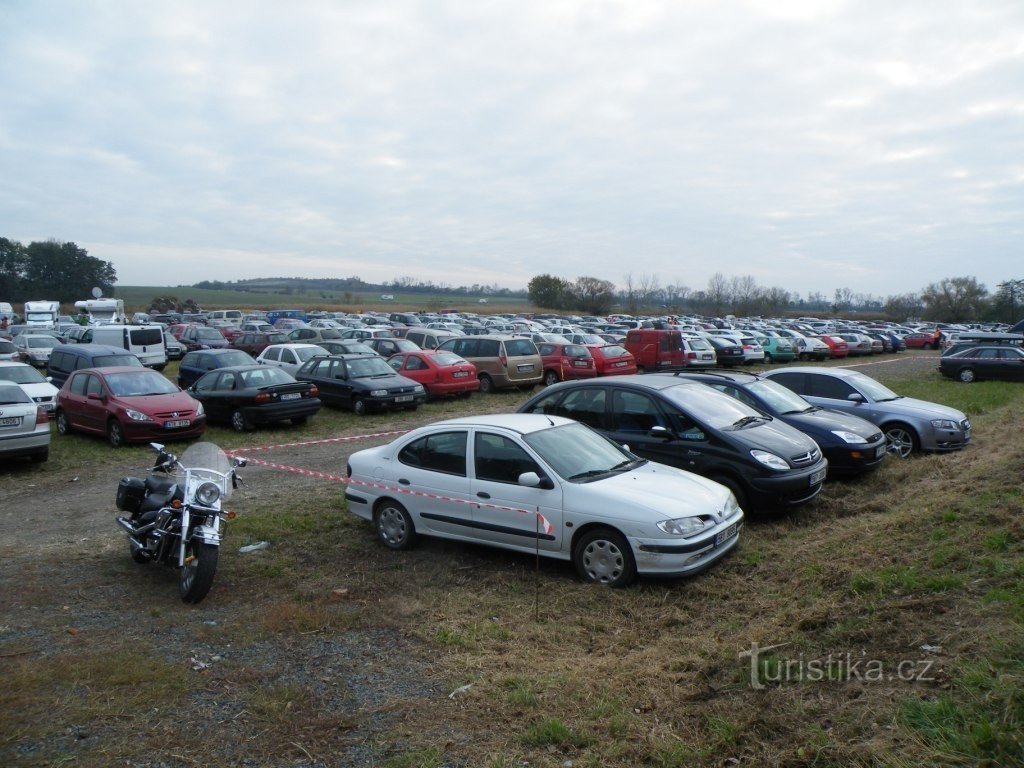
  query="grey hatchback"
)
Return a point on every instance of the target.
[{"x": 909, "y": 424}]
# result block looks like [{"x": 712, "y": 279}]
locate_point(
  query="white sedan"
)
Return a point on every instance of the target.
[
  {"x": 533, "y": 483},
  {"x": 291, "y": 357},
  {"x": 24, "y": 426},
  {"x": 31, "y": 381}
]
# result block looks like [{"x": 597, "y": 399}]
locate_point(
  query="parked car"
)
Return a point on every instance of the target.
[
  {"x": 837, "y": 346},
  {"x": 388, "y": 347},
  {"x": 811, "y": 348},
  {"x": 440, "y": 373},
  {"x": 196, "y": 364},
  {"x": 428, "y": 338},
  {"x": 291, "y": 357},
  {"x": 857, "y": 344},
  {"x": 127, "y": 404},
  {"x": 984, "y": 361},
  {"x": 850, "y": 444},
  {"x": 314, "y": 335},
  {"x": 35, "y": 348},
  {"x": 73, "y": 357},
  {"x": 202, "y": 337},
  {"x": 776, "y": 349},
  {"x": 764, "y": 462},
  {"x": 254, "y": 342},
  {"x": 909, "y": 424},
  {"x": 612, "y": 360},
  {"x": 362, "y": 334},
  {"x": 540, "y": 485},
  {"x": 174, "y": 348},
  {"x": 502, "y": 362},
  {"x": 361, "y": 383},
  {"x": 563, "y": 361},
  {"x": 246, "y": 396},
  {"x": 655, "y": 349},
  {"x": 348, "y": 347},
  {"x": 8, "y": 351},
  {"x": 923, "y": 340},
  {"x": 727, "y": 351},
  {"x": 24, "y": 425},
  {"x": 699, "y": 353},
  {"x": 42, "y": 392}
]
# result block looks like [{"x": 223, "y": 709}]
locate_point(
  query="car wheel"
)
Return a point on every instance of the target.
[
  {"x": 603, "y": 556},
  {"x": 238, "y": 421},
  {"x": 736, "y": 488},
  {"x": 768, "y": 358},
  {"x": 63, "y": 425},
  {"x": 550, "y": 377},
  {"x": 359, "y": 407},
  {"x": 929, "y": 345},
  {"x": 394, "y": 526},
  {"x": 967, "y": 375},
  {"x": 804, "y": 357},
  {"x": 901, "y": 440},
  {"x": 115, "y": 433},
  {"x": 486, "y": 385},
  {"x": 641, "y": 369}
]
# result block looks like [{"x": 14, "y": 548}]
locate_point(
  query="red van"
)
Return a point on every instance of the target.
[{"x": 656, "y": 350}]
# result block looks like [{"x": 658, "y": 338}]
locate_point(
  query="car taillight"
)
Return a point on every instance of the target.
[
  {"x": 691, "y": 355},
  {"x": 313, "y": 391},
  {"x": 502, "y": 361},
  {"x": 42, "y": 417},
  {"x": 263, "y": 397}
]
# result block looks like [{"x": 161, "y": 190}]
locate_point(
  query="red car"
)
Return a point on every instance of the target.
[
  {"x": 254, "y": 342},
  {"x": 566, "y": 361},
  {"x": 612, "y": 359},
  {"x": 440, "y": 373},
  {"x": 924, "y": 340},
  {"x": 837, "y": 347},
  {"x": 127, "y": 404}
]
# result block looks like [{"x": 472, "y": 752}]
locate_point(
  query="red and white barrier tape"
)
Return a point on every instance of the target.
[{"x": 347, "y": 439}]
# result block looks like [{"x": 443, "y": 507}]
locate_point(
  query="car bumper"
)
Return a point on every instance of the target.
[
  {"x": 789, "y": 489},
  {"x": 681, "y": 557},
  {"x": 281, "y": 411},
  {"x": 944, "y": 440},
  {"x": 25, "y": 444},
  {"x": 848, "y": 460},
  {"x": 443, "y": 388},
  {"x": 146, "y": 431}
]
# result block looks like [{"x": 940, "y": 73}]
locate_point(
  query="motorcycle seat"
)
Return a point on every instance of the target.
[
  {"x": 158, "y": 484},
  {"x": 154, "y": 501}
]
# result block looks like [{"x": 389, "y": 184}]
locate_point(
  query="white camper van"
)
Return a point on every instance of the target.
[
  {"x": 42, "y": 314},
  {"x": 146, "y": 342},
  {"x": 102, "y": 311}
]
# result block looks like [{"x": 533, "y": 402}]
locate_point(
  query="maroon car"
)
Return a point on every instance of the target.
[
  {"x": 612, "y": 359},
  {"x": 254, "y": 342},
  {"x": 127, "y": 404},
  {"x": 566, "y": 361}
]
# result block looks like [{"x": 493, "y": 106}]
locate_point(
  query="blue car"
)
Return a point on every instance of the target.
[{"x": 194, "y": 364}]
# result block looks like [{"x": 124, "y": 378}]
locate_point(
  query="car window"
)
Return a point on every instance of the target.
[
  {"x": 487, "y": 348},
  {"x": 78, "y": 382},
  {"x": 413, "y": 363},
  {"x": 206, "y": 383},
  {"x": 520, "y": 348},
  {"x": 634, "y": 412},
  {"x": 499, "y": 459},
  {"x": 585, "y": 405},
  {"x": 441, "y": 452},
  {"x": 794, "y": 381},
  {"x": 829, "y": 386},
  {"x": 93, "y": 386},
  {"x": 545, "y": 349},
  {"x": 226, "y": 381},
  {"x": 272, "y": 354}
]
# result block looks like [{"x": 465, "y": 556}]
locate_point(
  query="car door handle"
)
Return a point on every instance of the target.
[
  {"x": 403, "y": 481},
  {"x": 484, "y": 495}
]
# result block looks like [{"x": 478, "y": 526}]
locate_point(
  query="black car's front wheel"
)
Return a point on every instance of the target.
[
  {"x": 967, "y": 375},
  {"x": 238, "y": 421},
  {"x": 603, "y": 556}
]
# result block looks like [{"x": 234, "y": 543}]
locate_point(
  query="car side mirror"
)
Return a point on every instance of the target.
[
  {"x": 659, "y": 431},
  {"x": 856, "y": 397},
  {"x": 529, "y": 479}
]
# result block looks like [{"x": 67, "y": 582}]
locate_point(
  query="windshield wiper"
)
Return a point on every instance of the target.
[
  {"x": 749, "y": 420},
  {"x": 627, "y": 463},
  {"x": 589, "y": 473}
]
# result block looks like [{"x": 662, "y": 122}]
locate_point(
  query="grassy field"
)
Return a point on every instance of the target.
[{"x": 886, "y": 616}]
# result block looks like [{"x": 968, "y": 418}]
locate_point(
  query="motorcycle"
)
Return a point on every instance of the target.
[{"x": 174, "y": 515}]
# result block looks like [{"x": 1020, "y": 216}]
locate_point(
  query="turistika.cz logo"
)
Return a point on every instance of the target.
[{"x": 768, "y": 668}]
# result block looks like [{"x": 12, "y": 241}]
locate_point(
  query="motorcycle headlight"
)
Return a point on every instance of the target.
[
  {"x": 681, "y": 526},
  {"x": 848, "y": 437},
  {"x": 770, "y": 459},
  {"x": 134, "y": 415},
  {"x": 208, "y": 494}
]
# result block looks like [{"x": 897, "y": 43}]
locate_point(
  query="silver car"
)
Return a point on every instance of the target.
[{"x": 909, "y": 424}]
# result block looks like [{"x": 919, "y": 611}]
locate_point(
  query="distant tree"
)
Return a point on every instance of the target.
[
  {"x": 718, "y": 295},
  {"x": 12, "y": 268},
  {"x": 843, "y": 299},
  {"x": 775, "y": 301},
  {"x": 903, "y": 307},
  {"x": 1008, "y": 302},
  {"x": 593, "y": 295},
  {"x": 549, "y": 291},
  {"x": 954, "y": 299},
  {"x": 64, "y": 272},
  {"x": 745, "y": 293}
]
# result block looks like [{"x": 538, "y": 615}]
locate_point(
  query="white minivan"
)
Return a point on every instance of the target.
[{"x": 144, "y": 341}]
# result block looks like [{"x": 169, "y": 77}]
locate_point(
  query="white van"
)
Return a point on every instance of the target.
[
  {"x": 144, "y": 341},
  {"x": 233, "y": 316}
]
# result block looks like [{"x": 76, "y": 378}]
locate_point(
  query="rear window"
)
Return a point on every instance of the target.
[
  {"x": 108, "y": 361},
  {"x": 447, "y": 358},
  {"x": 146, "y": 336},
  {"x": 10, "y": 395},
  {"x": 234, "y": 358},
  {"x": 612, "y": 350},
  {"x": 520, "y": 347}
]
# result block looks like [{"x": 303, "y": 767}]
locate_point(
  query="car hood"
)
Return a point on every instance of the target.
[
  {"x": 911, "y": 406},
  {"x": 39, "y": 389},
  {"x": 828, "y": 420},
  {"x": 652, "y": 489},
  {"x": 392, "y": 381},
  {"x": 775, "y": 437},
  {"x": 175, "y": 401}
]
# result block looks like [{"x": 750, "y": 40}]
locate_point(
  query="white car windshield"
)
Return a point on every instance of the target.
[
  {"x": 21, "y": 374},
  {"x": 576, "y": 452}
]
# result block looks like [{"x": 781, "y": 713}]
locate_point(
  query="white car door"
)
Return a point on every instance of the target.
[{"x": 429, "y": 475}]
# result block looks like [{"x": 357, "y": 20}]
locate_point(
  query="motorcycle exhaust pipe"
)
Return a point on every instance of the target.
[{"x": 127, "y": 525}]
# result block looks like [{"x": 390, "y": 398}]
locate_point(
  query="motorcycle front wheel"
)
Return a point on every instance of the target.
[{"x": 196, "y": 576}]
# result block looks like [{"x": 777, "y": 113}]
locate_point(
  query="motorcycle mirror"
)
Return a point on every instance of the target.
[
  {"x": 239, "y": 462},
  {"x": 156, "y": 447}
]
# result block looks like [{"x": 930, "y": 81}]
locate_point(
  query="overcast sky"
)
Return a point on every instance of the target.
[{"x": 814, "y": 145}]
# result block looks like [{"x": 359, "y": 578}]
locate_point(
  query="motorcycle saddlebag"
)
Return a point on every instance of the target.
[{"x": 130, "y": 493}]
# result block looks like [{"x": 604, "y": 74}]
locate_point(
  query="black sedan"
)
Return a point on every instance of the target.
[
  {"x": 361, "y": 383},
  {"x": 246, "y": 396},
  {"x": 984, "y": 361},
  {"x": 851, "y": 444},
  {"x": 727, "y": 353}
]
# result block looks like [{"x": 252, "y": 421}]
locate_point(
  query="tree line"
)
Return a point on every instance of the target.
[
  {"x": 50, "y": 270},
  {"x": 951, "y": 299}
]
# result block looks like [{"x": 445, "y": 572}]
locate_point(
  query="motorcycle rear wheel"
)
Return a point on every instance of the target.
[{"x": 196, "y": 575}]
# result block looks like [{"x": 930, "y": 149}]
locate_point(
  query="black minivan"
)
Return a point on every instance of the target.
[{"x": 685, "y": 424}]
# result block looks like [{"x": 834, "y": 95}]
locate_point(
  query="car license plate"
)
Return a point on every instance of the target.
[
  {"x": 818, "y": 476},
  {"x": 176, "y": 424},
  {"x": 403, "y": 399},
  {"x": 880, "y": 451},
  {"x": 11, "y": 421},
  {"x": 460, "y": 374},
  {"x": 725, "y": 535},
  {"x": 291, "y": 396},
  {"x": 621, "y": 364},
  {"x": 524, "y": 368},
  {"x": 706, "y": 357}
]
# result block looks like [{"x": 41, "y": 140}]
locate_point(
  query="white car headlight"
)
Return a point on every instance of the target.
[
  {"x": 134, "y": 415},
  {"x": 944, "y": 424},
  {"x": 731, "y": 507},
  {"x": 418, "y": 388},
  {"x": 208, "y": 494},
  {"x": 770, "y": 459},
  {"x": 378, "y": 393},
  {"x": 200, "y": 411},
  {"x": 682, "y": 526},
  {"x": 848, "y": 437}
]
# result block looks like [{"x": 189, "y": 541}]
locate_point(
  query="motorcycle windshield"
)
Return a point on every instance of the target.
[{"x": 208, "y": 462}]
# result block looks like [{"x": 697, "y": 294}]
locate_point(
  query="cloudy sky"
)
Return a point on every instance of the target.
[{"x": 811, "y": 144}]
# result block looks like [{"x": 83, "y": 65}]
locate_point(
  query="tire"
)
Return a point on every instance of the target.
[
  {"x": 486, "y": 385},
  {"x": 394, "y": 527},
  {"x": 603, "y": 556},
  {"x": 196, "y": 575},
  {"x": 901, "y": 440},
  {"x": 737, "y": 491},
  {"x": 768, "y": 358},
  {"x": 929, "y": 345},
  {"x": 359, "y": 407},
  {"x": 238, "y": 421},
  {"x": 967, "y": 375},
  {"x": 804, "y": 357},
  {"x": 640, "y": 369},
  {"x": 550, "y": 377},
  {"x": 63, "y": 425},
  {"x": 40, "y": 456},
  {"x": 115, "y": 433}
]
